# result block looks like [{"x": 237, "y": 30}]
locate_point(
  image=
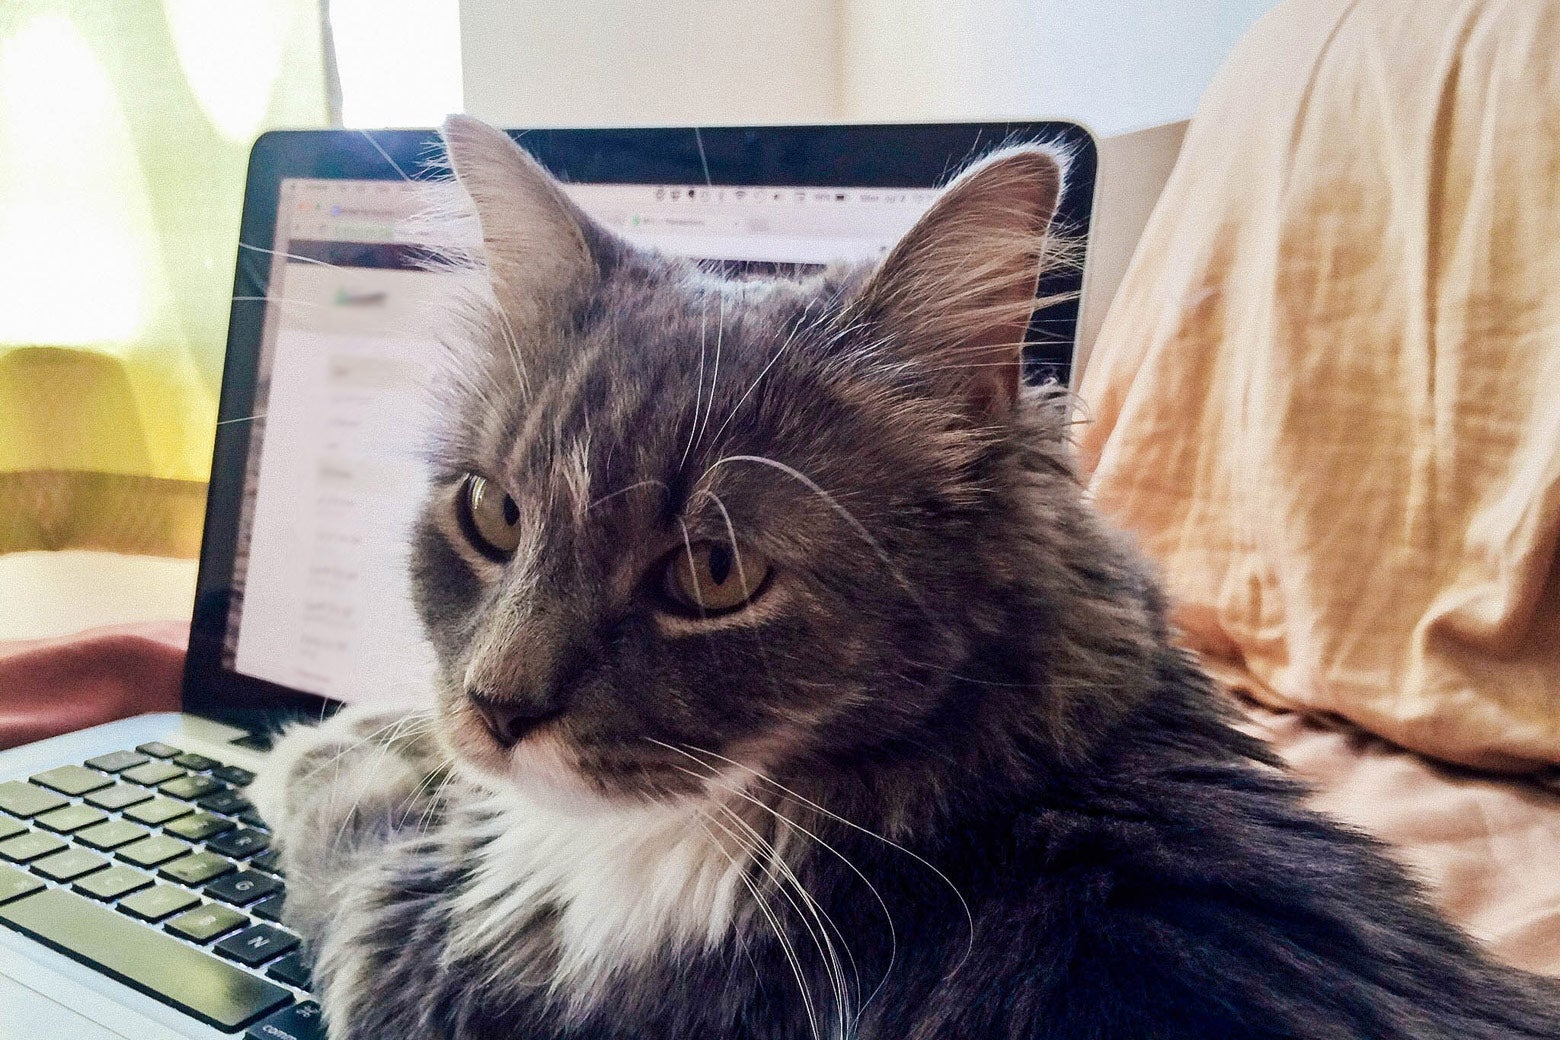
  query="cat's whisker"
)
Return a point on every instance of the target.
[
  {"x": 291, "y": 256},
  {"x": 720, "y": 334},
  {"x": 803, "y": 799},
  {"x": 795, "y": 329},
  {"x": 698, "y": 384},
  {"x": 625, "y": 490},
  {"x": 786, "y": 946}
]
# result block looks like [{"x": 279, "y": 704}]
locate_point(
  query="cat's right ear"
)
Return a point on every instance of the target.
[{"x": 535, "y": 240}]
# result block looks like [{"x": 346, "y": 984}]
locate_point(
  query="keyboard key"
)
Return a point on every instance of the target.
[
  {"x": 149, "y": 852},
  {"x": 198, "y": 763},
  {"x": 21, "y": 799},
  {"x": 69, "y": 818},
  {"x": 158, "y": 810},
  {"x": 238, "y": 776},
  {"x": 191, "y": 787},
  {"x": 68, "y": 865},
  {"x": 117, "y": 761},
  {"x": 252, "y": 817},
  {"x": 239, "y": 844},
  {"x": 205, "y": 923},
  {"x": 196, "y": 869},
  {"x": 157, "y": 749},
  {"x": 299, "y": 1022},
  {"x": 10, "y": 828},
  {"x": 229, "y": 802},
  {"x": 158, "y": 902},
  {"x": 199, "y": 826},
  {"x": 243, "y": 888},
  {"x": 118, "y": 797},
  {"x": 270, "y": 909},
  {"x": 112, "y": 883},
  {"x": 269, "y": 861},
  {"x": 152, "y": 774},
  {"x": 24, "y": 848},
  {"x": 161, "y": 966},
  {"x": 292, "y": 969},
  {"x": 257, "y": 944},
  {"x": 72, "y": 779},
  {"x": 111, "y": 834},
  {"x": 14, "y": 884}
]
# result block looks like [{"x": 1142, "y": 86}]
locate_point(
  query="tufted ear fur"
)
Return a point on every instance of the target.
[
  {"x": 536, "y": 242},
  {"x": 958, "y": 290}
]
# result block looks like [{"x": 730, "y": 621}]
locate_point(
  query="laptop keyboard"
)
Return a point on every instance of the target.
[{"x": 152, "y": 866}]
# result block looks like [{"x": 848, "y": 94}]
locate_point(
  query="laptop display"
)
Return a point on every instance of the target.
[{"x": 303, "y": 597}]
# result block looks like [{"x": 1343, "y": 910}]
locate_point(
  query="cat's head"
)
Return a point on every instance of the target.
[{"x": 681, "y": 524}]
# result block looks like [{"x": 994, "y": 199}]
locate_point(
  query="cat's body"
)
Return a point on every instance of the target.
[{"x": 934, "y": 769}]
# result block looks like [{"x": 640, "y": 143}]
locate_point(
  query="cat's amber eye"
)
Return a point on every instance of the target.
[
  {"x": 714, "y": 577},
  {"x": 489, "y": 517}
]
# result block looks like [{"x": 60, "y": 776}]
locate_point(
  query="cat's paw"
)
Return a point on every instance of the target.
[{"x": 362, "y": 768}]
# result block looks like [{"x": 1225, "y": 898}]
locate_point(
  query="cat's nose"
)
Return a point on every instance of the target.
[{"x": 509, "y": 720}]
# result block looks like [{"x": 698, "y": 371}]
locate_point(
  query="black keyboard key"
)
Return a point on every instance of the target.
[
  {"x": 252, "y": 817},
  {"x": 292, "y": 969},
  {"x": 198, "y": 763},
  {"x": 159, "y": 965},
  {"x": 238, "y": 776},
  {"x": 118, "y": 797},
  {"x": 72, "y": 780},
  {"x": 299, "y": 1022},
  {"x": 10, "y": 828},
  {"x": 149, "y": 852},
  {"x": 69, "y": 865},
  {"x": 152, "y": 774},
  {"x": 112, "y": 883},
  {"x": 243, "y": 888},
  {"x": 111, "y": 834},
  {"x": 196, "y": 869},
  {"x": 257, "y": 944},
  {"x": 158, "y": 902},
  {"x": 21, "y": 799},
  {"x": 241, "y": 843},
  {"x": 24, "y": 848},
  {"x": 199, "y": 826},
  {"x": 157, "y": 749},
  {"x": 192, "y": 787},
  {"x": 69, "y": 818},
  {"x": 158, "y": 810},
  {"x": 269, "y": 861},
  {"x": 14, "y": 884},
  {"x": 229, "y": 802},
  {"x": 116, "y": 761},
  {"x": 205, "y": 923},
  {"x": 270, "y": 909}
]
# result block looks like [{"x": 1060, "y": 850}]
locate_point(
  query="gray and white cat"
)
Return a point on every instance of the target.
[{"x": 789, "y": 689}]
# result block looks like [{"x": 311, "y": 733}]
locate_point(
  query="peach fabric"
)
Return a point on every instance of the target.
[
  {"x": 53, "y": 686},
  {"x": 1486, "y": 847},
  {"x": 1327, "y": 396}
]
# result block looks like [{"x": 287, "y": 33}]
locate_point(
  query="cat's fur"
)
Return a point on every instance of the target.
[{"x": 947, "y": 777}]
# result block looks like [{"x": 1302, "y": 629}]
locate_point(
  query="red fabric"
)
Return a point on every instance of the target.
[{"x": 53, "y": 686}]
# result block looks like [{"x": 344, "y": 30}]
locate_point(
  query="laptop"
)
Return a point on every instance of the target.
[{"x": 139, "y": 894}]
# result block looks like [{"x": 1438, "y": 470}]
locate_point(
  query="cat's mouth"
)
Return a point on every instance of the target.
[{"x": 553, "y": 762}]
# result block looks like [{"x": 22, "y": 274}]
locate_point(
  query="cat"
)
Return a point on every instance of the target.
[{"x": 789, "y": 689}]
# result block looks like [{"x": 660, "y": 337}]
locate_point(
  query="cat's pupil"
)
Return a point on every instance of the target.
[
  {"x": 720, "y": 563},
  {"x": 511, "y": 511}
]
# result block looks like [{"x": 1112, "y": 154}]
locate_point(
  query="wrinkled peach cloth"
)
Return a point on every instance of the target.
[
  {"x": 1327, "y": 396},
  {"x": 53, "y": 686}
]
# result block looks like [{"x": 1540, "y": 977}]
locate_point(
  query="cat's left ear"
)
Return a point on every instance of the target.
[
  {"x": 537, "y": 243},
  {"x": 958, "y": 290}
]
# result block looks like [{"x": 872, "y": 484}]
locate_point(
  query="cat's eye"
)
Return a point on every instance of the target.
[
  {"x": 489, "y": 517},
  {"x": 714, "y": 577}
]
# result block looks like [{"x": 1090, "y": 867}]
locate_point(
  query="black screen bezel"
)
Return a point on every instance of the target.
[{"x": 921, "y": 155}]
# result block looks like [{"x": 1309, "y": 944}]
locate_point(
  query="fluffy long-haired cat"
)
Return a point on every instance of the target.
[{"x": 789, "y": 690}]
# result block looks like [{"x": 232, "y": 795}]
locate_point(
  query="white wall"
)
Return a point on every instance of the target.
[
  {"x": 1116, "y": 65},
  {"x": 617, "y": 62},
  {"x": 1113, "y": 64}
]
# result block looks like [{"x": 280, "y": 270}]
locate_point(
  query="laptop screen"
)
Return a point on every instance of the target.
[
  {"x": 320, "y": 597},
  {"x": 302, "y": 598}
]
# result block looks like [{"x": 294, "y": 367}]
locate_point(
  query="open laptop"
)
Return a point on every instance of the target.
[{"x": 139, "y": 896}]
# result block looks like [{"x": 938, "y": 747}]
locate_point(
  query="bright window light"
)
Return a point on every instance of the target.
[{"x": 231, "y": 55}]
